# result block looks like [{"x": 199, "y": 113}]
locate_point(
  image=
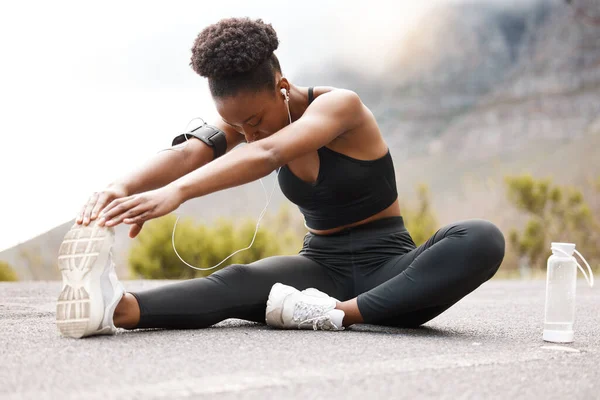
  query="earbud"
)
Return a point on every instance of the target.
[{"x": 286, "y": 98}]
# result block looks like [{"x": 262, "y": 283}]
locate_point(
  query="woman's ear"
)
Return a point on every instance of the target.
[{"x": 283, "y": 84}]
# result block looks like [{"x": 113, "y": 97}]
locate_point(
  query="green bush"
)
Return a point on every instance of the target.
[
  {"x": 153, "y": 257},
  {"x": 7, "y": 273},
  {"x": 287, "y": 225},
  {"x": 556, "y": 214},
  {"x": 420, "y": 219},
  {"x": 281, "y": 233}
]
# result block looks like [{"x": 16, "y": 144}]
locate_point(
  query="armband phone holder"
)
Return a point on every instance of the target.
[{"x": 210, "y": 135}]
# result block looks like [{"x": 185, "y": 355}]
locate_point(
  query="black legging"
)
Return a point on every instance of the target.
[{"x": 397, "y": 283}]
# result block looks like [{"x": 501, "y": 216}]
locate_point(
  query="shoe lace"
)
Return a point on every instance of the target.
[
  {"x": 314, "y": 315},
  {"x": 323, "y": 322}
]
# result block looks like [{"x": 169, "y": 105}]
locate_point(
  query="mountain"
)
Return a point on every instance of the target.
[
  {"x": 477, "y": 91},
  {"x": 479, "y": 79},
  {"x": 550, "y": 94}
]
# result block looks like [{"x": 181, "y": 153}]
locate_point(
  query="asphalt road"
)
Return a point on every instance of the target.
[{"x": 489, "y": 345}]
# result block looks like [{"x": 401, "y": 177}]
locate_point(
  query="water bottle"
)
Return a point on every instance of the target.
[{"x": 561, "y": 281}]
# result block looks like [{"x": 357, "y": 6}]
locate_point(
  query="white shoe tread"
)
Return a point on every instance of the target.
[{"x": 76, "y": 257}]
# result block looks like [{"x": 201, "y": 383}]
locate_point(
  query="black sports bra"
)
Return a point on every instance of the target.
[{"x": 347, "y": 190}]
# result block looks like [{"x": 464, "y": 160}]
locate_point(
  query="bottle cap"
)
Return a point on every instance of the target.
[{"x": 563, "y": 248}]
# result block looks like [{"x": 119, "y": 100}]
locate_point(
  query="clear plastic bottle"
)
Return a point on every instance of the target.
[{"x": 561, "y": 283}]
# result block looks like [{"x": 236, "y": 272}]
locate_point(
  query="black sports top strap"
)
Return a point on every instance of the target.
[{"x": 310, "y": 95}]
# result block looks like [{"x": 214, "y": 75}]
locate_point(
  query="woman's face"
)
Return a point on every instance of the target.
[{"x": 254, "y": 115}]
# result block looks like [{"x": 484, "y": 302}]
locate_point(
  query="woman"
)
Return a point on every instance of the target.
[{"x": 358, "y": 262}]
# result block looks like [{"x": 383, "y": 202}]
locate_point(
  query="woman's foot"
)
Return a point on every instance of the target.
[
  {"x": 90, "y": 290},
  {"x": 290, "y": 308}
]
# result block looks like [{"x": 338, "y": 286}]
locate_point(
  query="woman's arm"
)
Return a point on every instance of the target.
[
  {"x": 162, "y": 169},
  {"x": 167, "y": 166},
  {"x": 330, "y": 115},
  {"x": 333, "y": 113}
]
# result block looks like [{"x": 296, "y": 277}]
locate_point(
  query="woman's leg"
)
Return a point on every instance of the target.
[
  {"x": 127, "y": 313},
  {"x": 414, "y": 288},
  {"x": 236, "y": 291}
]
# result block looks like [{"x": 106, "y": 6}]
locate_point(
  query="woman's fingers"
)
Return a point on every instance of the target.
[
  {"x": 100, "y": 203},
  {"x": 128, "y": 209},
  {"x": 116, "y": 207},
  {"x": 88, "y": 208},
  {"x": 140, "y": 219},
  {"x": 109, "y": 208},
  {"x": 97, "y": 201},
  {"x": 132, "y": 213},
  {"x": 80, "y": 215},
  {"x": 135, "y": 229}
]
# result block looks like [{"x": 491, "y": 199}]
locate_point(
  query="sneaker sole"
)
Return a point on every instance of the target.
[{"x": 81, "y": 259}]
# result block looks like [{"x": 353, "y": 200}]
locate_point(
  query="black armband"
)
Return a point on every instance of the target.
[{"x": 211, "y": 135}]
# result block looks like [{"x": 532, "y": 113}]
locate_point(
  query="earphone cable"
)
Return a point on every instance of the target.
[{"x": 262, "y": 213}]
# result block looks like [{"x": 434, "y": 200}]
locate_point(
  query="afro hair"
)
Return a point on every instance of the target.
[{"x": 236, "y": 54}]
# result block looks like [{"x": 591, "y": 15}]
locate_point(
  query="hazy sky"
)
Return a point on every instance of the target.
[{"x": 88, "y": 90}]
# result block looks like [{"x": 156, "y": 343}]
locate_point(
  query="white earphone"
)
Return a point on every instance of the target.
[{"x": 284, "y": 93}]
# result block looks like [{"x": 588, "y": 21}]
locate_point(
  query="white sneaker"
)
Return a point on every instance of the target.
[
  {"x": 317, "y": 293},
  {"x": 287, "y": 307},
  {"x": 91, "y": 290}
]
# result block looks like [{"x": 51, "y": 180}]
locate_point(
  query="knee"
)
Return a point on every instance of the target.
[
  {"x": 487, "y": 242},
  {"x": 231, "y": 273},
  {"x": 236, "y": 268}
]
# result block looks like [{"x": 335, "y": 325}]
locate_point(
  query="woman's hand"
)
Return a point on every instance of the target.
[
  {"x": 98, "y": 201},
  {"x": 140, "y": 208}
]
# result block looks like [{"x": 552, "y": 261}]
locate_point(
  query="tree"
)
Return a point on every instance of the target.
[
  {"x": 556, "y": 214},
  {"x": 7, "y": 273},
  {"x": 420, "y": 220}
]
